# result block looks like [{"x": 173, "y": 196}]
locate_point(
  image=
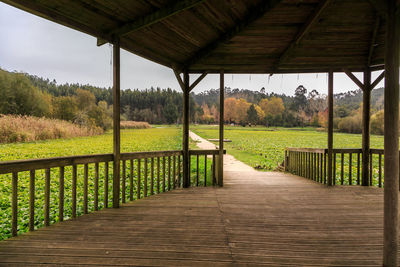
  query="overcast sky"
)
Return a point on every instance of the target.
[{"x": 43, "y": 48}]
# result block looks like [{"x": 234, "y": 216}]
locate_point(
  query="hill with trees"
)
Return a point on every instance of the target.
[{"x": 90, "y": 106}]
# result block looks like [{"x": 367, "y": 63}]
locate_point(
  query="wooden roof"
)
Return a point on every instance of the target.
[{"x": 238, "y": 36}]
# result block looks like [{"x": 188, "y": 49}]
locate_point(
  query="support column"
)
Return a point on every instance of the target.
[
  {"x": 391, "y": 135},
  {"x": 185, "y": 144},
  {"x": 221, "y": 129},
  {"x": 366, "y": 127},
  {"x": 116, "y": 122},
  {"x": 330, "y": 128}
]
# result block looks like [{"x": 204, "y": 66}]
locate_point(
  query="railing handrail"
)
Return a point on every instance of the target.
[
  {"x": 335, "y": 150},
  {"x": 45, "y": 163}
]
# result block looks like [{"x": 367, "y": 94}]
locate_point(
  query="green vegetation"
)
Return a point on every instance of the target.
[
  {"x": 264, "y": 147},
  {"x": 166, "y": 138}
]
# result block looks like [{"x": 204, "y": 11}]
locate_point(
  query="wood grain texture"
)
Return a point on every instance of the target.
[{"x": 256, "y": 219}]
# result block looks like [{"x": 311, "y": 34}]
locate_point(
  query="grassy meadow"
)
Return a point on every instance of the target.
[
  {"x": 166, "y": 138},
  {"x": 264, "y": 147}
]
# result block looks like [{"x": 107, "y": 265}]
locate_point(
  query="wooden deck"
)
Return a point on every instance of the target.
[{"x": 258, "y": 218}]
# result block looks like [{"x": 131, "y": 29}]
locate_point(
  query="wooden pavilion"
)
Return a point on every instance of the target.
[{"x": 238, "y": 36}]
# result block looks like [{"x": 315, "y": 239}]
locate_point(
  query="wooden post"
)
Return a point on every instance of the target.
[
  {"x": 185, "y": 144},
  {"x": 391, "y": 136},
  {"x": 330, "y": 127},
  {"x": 365, "y": 128},
  {"x": 116, "y": 122},
  {"x": 221, "y": 129}
]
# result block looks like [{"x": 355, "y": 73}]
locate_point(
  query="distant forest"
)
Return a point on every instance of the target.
[{"x": 25, "y": 94}]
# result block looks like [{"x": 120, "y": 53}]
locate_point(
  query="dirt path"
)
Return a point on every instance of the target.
[{"x": 231, "y": 164}]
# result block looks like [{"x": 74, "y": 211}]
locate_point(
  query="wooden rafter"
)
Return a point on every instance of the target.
[
  {"x": 354, "y": 79},
  {"x": 179, "y": 78},
  {"x": 151, "y": 18},
  {"x": 373, "y": 40},
  {"x": 303, "y": 31},
  {"x": 253, "y": 14},
  {"x": 37, "y": 9},
  {"x": 377, "y": 80},
  {"x": 197, "y": 81},
  {"x": 191, "y": 87},
  {"x": 380, "y": 7}
]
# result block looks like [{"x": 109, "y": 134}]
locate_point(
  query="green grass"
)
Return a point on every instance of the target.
[
  {"x": 264, "y": 147},
  {"x": 166, "y": 138}
]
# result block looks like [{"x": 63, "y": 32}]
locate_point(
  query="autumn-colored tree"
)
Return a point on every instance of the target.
[
  {"x": 206, "y": 117},
  {"x": 230, "y": 109},
  {"x": 273, "y": 106},
  {"x": 241, "y": 110},
  {"x": 252, "y": 116},
  {"x": 85, "y": 99},
  {"x": 260, "y": 112},
  {"x": 214, "y": 113}
]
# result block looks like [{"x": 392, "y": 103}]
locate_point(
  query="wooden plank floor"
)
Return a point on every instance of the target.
[{"x": 257, "y": 219}]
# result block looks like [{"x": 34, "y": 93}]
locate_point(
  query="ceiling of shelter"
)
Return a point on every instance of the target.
[{"x": 237, "y": 36}]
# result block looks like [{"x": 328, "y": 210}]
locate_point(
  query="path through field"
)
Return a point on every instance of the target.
[{"x": 230, "y": 163}]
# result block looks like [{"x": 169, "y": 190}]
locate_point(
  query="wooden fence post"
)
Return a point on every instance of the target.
[
  {"x": 116, "y": 122},
  {"x": 221, "y": 130},
  {"x": 391, "y": 135},
  {"x": 330, "y": 127},
  {"x": 185, "y": 145},
  {"x": 365, "y": 128}
]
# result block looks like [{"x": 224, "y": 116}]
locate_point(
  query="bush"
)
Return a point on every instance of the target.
[
  {"x": 377, "y": 121},
  {"x": 15, "y": 128},
  {"x": 135, "y": 125},
  {"x": 350, "y": 124}
]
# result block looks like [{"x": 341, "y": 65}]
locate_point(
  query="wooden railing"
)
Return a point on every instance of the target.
[
  {"x": 311, "y": 163},
  {"x": 67, "y": 187},
  {"x": 201, "y": 175}
]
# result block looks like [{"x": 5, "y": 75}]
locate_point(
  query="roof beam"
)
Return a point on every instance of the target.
[
  {"x": 303, "y": 31},
  {"x": 373, "y": 40},
  {"x": 150, "y": 19},
  {"x": 198, "y": 80},
  {"x": 380, "y": 7},
  {"x": 253, "y": 14},
  {"x": 377, "y": 80},
  {"x": 37, "y": 9},
  {"x": 354, "y": 79}
]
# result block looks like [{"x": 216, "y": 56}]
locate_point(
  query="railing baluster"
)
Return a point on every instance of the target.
[
  {"x": 213, "y": 170},
  {"x": 106, "y": 184},
  {"x": 123, "y": 181},
  {"x": 132, "y": 167},
  {"x": 197, "y": 171},
  {"x": 163, "y": 185},
  {"x": 47, "y": 198},
  {"x": 158, "y": 175},
  {"x": 358, "y": 168},
  {"x": 350, "y": 169},
  {"x": 205, "y": 170},
  {"x": 179, "y": 171},
  {"x": 73, "y": 197},
  {"x": 96, "y": 186},
  {"x": 317, "y": 165},
  {"x": 32, "y": 200},
  {"x": 60, "y": 194},
  {"x": 169, "y": 173},
  {"x": 138, "y": 179},
  {"x": 370, "y": 168},
  {"x": 85, "y": 189},
  {"x": 334, "y": 168},
  {"x": 321, "y": 170},
  {"x": 152, "y": 177},
  {"x": 325, "y": 169},
  {"x": 342, "y": 169},
  {"x": 380, "y": 170},
  {"x": 145, "y": 180},
  {"x": 174, "y": 173},
  {"x": 14, "y": 205}
]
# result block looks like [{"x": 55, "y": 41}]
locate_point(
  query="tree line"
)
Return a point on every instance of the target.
[{"x": 25, "y": 94}]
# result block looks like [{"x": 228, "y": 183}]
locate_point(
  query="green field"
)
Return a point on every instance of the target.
[
  {"x": 169, "y": 138},
  {"x": 264, "y": 147},
  {"x": 257, "y": 146}
]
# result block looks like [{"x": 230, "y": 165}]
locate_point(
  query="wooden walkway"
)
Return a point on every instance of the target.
[{"x": 257, "y": 219}]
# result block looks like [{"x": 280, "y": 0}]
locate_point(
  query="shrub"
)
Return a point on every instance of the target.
[
  {"x": 377, "y": 121},
  {"x": 350, "y": 124},
  {"x": 15, "y": 128},
  {"x": 135, "y": 125}
]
